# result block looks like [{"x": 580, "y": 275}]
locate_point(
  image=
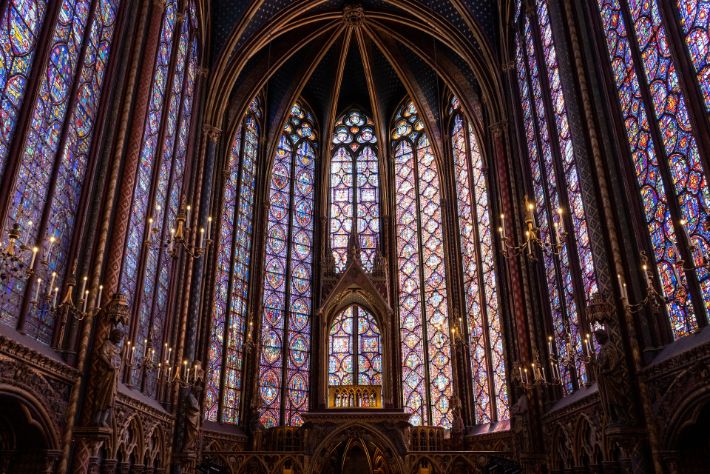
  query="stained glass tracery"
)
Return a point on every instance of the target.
[
  {"x": 695, "y": 23},
  {"x": 485, "y": 335},
  {"x": 424, "y": 322},
  {"x": 354, "y": 348},
  {"x": 224, "y": 369},
  {"x": 287, "y": 300},
  {"x": 354, "y": 184}
]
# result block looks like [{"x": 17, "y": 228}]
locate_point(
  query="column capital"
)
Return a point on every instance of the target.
[
  {"x": 499, "y": 127},
  {"x": 211, "y": 132}
]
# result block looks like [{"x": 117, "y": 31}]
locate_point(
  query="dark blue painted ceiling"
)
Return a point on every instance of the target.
[{"x": 226, "y": 15}]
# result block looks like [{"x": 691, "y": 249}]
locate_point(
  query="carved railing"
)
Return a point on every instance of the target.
[
  {"x": 426, "y": 438},
  {"x": 354, "y": 396}
]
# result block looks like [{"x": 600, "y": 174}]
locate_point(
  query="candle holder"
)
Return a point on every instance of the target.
[
  {"x": 177, "y": 240},
  {"x": 653, "y": 299},
  {"x": 18, "y": 260},
  {"x": 533, "y": 238},
  {"x": 531, "y": 376}
]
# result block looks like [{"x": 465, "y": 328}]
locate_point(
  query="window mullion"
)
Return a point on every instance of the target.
[
  {"x": 424, "y": 320},
  {"x": 493, "y": 408},
  {"x": 287, "y": 284},
  {"x": 230, "y": 284}
]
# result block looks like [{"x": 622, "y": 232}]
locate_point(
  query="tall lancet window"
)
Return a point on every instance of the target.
[
  {"x": 664, "y": 125},
  {"x": 45, "y": 174},
  {"x": 483, "y": 316},
  {"x": 354, "y": 189},
  {"x": 158, "y": 191},
  {"x": 557, "y": 203},
  {"x": 287, "y": 305},
  {"x": 424, "y": 321},
  {"x": 354, "y": 348},
  {"x": 229, "y": 311}
]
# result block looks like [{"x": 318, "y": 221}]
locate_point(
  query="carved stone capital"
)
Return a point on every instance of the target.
[{"x": 211, "y": 132}]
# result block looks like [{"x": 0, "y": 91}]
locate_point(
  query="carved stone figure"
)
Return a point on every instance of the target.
[
  {"x": 105, "y": 377},
  {"x": 192, "y": 411},
  {"x": 610, "y": 375}
]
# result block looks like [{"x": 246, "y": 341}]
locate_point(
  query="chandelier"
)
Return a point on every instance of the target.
[{"x": 533, "y": 236}]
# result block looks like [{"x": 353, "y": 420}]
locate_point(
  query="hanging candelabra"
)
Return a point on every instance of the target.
[
  {"x": 168, "y": 371},
  {"x": 533, "y": 237},
  {"x": 178, "y": 240}
]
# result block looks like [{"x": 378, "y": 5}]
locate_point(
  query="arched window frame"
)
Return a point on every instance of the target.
[
  {"x": 661, "y": 112},
  {"x": 433, "y": 337},
  {"x": 47, "y": 154},
  {"x": 146, "y": 276},
  {"x": 355, "y": 376},
  {"x": 281, "y": 411},
  {"x": 343, "y": 138},
  {"x": 559, "y": 208},
  {"x": 482, "y": 307},
  {"x": 232, "y": 293}
]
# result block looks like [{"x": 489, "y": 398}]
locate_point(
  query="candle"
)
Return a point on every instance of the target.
[
  {"x": 170, "y": 350},
  {"x": 622, "y": 287},
  {"x": 184, "y": 368},
  {"x": 525, "y": 374},
  {"x": 39, "y": 285},
  {"x": 160, "y": 368},
  {"x": 646, "y": 278},
  {"x": 133, "y": 352},
  {"x": 172, "y": 239},
  {"x": 150, "y": 227},
  {"x": 187, "y": 377},
  {"x": 502, "y": 225},
  {"x": 202, "y": 236},
  {"x": 520, "y": 369},
  {"x": 534, "y": 372},
  {"x": 209, "y": 227},
  {"x": 83, "y": 285},
  {"x": 54, "y": 301},
  {"x": 549, "y": 345},
  {"x": 34, "y": 257},
  {"x": 527, "y": 240},
  {"x": 683, "y": 223},
  {"x": 51, "y": 284},
  {"x": 188, "y": 215},
  {"x": 98, "y": 300},
  {"x": 127, "y": 350}
]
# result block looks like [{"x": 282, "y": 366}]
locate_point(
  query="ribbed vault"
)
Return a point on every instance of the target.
[{"x": 336, "y": 54}]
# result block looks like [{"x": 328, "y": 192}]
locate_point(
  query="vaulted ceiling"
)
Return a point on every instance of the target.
[{"x": 338, "y": 53}]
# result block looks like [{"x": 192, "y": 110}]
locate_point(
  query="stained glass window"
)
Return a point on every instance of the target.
[
  {"x": 48, "y": 185},
  {"x": 557, "y": 203},
  {"x": 287, "y": 302},
  {"x": 354, "y": 348},
  {"x": 20, "y": 25},
  {"x": 483, "y": 316},
  {"x": 695, "y": 23},
  {"x": 354, "y": 189},
  {"x": 424, "y": 322},
  {"x": 224, "y": 366},
  {"x": 158, "y": 193},
  {"x": 663, "y": 144}
]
